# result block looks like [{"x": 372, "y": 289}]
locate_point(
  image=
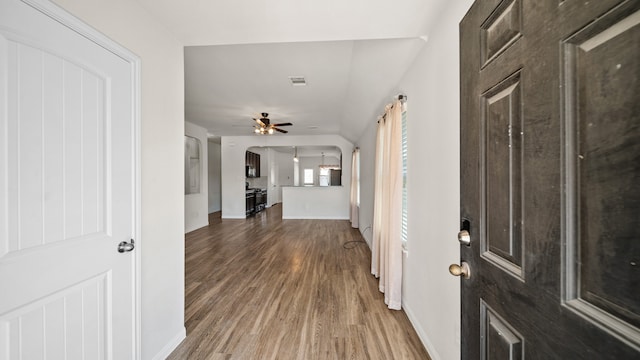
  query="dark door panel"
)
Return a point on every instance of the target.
[{"x": 550, "y": 179}]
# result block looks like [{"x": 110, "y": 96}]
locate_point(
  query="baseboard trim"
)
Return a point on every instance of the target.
[
  {"x": 421, "y": 333},
  {"x": 171, "y": 345},
  {"x": 197, "y": 226}
]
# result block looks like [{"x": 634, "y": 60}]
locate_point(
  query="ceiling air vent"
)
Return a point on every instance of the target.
[{"x": 297, "y": 80}]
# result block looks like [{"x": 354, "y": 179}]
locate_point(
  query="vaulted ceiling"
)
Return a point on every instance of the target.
[{"x": 239, "y": 55}]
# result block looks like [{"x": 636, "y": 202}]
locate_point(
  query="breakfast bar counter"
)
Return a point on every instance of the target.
[{"x": 315, "y": 202}]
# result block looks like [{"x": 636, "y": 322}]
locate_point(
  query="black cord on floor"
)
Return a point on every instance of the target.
[
  {"x": 354, "y": 243},
  {"x": 346, "y": 246}
]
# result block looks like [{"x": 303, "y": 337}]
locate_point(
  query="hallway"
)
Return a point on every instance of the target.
[{"x": 266, "y": 288}]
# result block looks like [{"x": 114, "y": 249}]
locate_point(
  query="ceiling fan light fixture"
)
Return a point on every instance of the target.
[{"x": 264, "y": 125}]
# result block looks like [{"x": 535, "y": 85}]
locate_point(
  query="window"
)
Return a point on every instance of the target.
[
  {"x": 404, "y": 176},
  {"x": 308, "y": 176},
  {"x": 323, "y": 177}
]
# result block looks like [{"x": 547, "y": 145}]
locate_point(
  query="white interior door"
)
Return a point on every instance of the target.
[{"x": 66, "y": 192}]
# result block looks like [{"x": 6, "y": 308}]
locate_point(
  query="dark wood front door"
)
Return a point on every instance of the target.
[{"x": 550, "y": 179}]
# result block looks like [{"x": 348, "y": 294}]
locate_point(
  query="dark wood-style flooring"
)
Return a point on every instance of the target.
[{"x": 267, "y": 288}]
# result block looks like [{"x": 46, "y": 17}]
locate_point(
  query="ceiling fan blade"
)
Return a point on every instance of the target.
[
  {"x": 283, "y": 124},
  {"x": 260, "y": 122},
  {"x": 280, "y": 130}
]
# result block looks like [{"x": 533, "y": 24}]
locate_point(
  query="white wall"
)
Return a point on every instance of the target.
[
  {"x": 162, "y": 144},
  {"x": 233, "y": 162},
  {"x": 315, "y": 202},
  {"x": 215, "y": 189},
  {"x": 196, "y": 206},
  {"x": 273, "y": 188},
  {"x": 431, "y": 297},
  {"x": 285, "y": 173},
  {"x": 367, "y": 145}
]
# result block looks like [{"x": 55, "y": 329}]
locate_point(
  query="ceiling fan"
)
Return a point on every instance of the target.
[{"x": 265, "y": 126}]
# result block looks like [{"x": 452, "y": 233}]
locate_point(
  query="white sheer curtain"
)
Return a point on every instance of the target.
[
  {"x": 355, "y": 188},
  {"x": 386, "y": 252}
]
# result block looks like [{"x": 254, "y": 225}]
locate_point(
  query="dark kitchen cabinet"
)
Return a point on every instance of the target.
[{"x": 252, "y": 164}]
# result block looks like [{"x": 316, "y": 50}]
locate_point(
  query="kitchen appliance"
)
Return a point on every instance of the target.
[
  {"x": 261, "y": 199},
  {"x": 250, "y": 202}
]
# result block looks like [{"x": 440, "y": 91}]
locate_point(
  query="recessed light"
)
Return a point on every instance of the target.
[{"x": 298, "y": 80}]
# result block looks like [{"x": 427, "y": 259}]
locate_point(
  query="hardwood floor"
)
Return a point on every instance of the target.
[{"x": 267, "y": 288}]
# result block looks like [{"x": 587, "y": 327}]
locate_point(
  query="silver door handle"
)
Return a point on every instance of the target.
[
  {"x": 464, "y": 237},
  {"x": 126, "y": 246}
]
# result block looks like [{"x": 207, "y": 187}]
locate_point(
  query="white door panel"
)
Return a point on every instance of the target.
[{"x": 66, "y": 192}]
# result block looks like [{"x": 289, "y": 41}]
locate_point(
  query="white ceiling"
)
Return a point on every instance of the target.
[{"x": 239, "y": 55}]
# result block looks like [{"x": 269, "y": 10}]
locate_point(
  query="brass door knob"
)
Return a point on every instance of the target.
[{"x": 460, "y": 270}]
